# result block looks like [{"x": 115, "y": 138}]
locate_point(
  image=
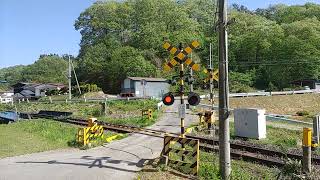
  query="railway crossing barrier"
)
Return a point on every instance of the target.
[
  {"x": 147, "y": 113},
  {"x": 187, "y": 158},
  {"x": 90, "y": 133}
]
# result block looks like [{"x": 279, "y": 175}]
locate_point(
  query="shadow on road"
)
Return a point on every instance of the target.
[{"x": 97, "y": 162}]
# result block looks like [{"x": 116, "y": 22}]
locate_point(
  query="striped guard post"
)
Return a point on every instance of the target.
[
  {"x": 96, "y": 131},
  {"x": 190, "y": 154}
]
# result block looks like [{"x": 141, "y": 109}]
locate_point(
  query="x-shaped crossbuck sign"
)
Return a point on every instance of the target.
[
  {"x": 181, "y": 56},
  {"x": 214, "y": 75}
]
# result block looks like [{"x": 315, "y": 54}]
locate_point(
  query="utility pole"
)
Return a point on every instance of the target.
[
  {"x": 211, "y": 79},
  {"x": 224, "y": 135},
  {"x": 69, "y": 78}
]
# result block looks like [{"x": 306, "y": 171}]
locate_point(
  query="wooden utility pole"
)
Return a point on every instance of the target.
[{"x": 224, "y": 135}]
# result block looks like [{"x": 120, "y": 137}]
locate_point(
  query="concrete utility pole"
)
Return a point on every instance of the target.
[
  {"x": 224, "y": 135},
  {"x": 211, "y": 80},
  {"x": 69, "y": 77}
]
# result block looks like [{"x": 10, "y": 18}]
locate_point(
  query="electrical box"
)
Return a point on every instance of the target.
[{"x": 250, "y": 123}]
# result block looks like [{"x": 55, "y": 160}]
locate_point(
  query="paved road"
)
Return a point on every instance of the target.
[{"x": 118, "y": 160}]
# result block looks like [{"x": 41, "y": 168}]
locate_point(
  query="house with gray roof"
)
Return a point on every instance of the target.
[{"x": 33, "y": 90}]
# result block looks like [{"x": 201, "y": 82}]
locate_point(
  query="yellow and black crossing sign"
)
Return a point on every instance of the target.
[
  {"x": 181, "y": 56},
  {"x": 186, "y": 148},
  {"x": 212, "y": 74},
  {"x": 85, "y": 135}
]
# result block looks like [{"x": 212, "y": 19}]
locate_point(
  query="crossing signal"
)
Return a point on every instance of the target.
[
  {"x": 168, "y": 99},
  {"x": 193, "y": 99}
]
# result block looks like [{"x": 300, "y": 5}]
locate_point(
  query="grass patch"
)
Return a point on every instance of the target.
[
  {"x": 83, "y": 108},
  {"x": 78, "y": 109},
  {"x": 137, "y": 121},
  {"x": 284, "y": 104},
  {"x": 39, "y": 135},
  {"x": 209, "y": 169},
  {"x": 34, "y": 136},
  {"x": 284, "y": 138},
  {"x": 118, "y": 112}
]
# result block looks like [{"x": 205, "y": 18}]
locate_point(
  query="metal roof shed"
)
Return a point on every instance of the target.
[{"x": 145, "y": 87}]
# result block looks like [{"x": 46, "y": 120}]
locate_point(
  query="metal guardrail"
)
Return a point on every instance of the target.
[{"x": 251, "y": 94}]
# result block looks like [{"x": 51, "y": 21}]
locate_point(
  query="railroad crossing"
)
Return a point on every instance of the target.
[{"x": 118, "y": 160}]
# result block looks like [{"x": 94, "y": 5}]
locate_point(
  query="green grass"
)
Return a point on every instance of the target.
[
  {"x": 78, "y": 109},
  {"x": 283, "y": 138},
  {"x": 40, "y": 135},
  {"x": 118, "y": 112},
  {"x": 34, "y": 136},
  {"x": 132, "y": 105},
  {"x": 209, "y": 169},
  {"x": 137, "y": 121}
]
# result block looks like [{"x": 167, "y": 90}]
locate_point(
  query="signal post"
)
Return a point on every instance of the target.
[{"x": 181, "y": 57}]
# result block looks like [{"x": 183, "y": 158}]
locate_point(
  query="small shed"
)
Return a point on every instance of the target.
[
  {"x": 144, "y": 87},
  {"x": 312, "y": 83}
]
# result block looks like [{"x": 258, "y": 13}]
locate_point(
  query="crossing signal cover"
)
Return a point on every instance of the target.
[
  {"x": 168, "y": 99},
  {"x": 193, "y": 99}
]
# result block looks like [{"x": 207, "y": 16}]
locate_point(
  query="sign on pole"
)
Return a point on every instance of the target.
[{"x": 182, "y": 110}]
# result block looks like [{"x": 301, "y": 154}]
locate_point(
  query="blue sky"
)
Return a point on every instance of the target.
[{"x": 29, "y": 28}]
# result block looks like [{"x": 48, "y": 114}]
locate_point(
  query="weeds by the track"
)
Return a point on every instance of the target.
[
  {"x": 283, "y": 138},
  {"x": 39, "y": 135},
  {"x": 209, "y": 169},
  {"x": 34, "y": 136},
  {"x": 118, "y": 112}
]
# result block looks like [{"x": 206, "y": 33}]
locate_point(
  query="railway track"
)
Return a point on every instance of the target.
[{"x": 242, "y": 151}]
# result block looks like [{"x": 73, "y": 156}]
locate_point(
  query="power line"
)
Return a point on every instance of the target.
[{"x": 274, "y": 63}]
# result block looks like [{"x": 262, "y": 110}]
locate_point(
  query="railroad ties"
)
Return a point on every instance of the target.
[{"x": 238, "y": 150}]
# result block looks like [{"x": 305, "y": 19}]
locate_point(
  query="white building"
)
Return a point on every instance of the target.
[{"x": 6, "y": 97}]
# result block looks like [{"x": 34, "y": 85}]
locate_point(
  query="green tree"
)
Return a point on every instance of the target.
[
  {"x": 127, "y": 61},
  {"x": 49, "y": 68}
]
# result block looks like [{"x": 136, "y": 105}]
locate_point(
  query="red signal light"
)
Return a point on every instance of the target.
[{"x": 168, "y": 99}]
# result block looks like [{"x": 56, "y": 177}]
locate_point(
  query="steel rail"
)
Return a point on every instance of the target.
[{"x": 243, "y": 151}]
